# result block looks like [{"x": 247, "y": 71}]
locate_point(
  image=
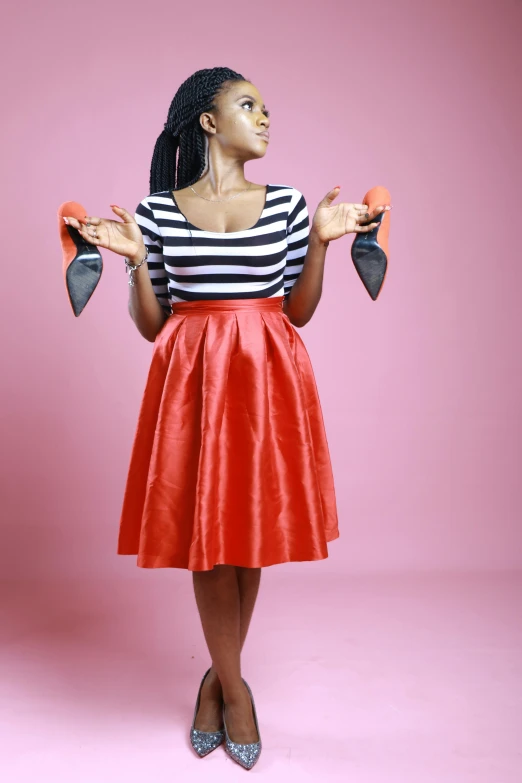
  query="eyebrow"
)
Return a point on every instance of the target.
[{"x": 251, "y": 98}]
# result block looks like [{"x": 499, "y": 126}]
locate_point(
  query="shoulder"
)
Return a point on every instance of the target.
[
  {"x": 296, "y": 207},
  {"x": 288, "y": 191},
  {"x": 292, "y": 198},
  {"x": 155, "y": 200},
  {"x": 150, "y": 214}
]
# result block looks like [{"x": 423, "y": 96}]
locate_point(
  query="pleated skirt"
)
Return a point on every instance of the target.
[{"x": 230, "y": 461}]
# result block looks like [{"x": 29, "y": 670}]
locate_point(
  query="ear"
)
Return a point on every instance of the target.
[{"x": 206, "y": 120}]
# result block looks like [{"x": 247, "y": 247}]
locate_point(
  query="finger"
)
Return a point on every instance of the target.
[
  {"x": 93, "y": 225},
  {"x": 360, "y": 216},
  {"x": 378, "y": 210},
  {"x": 355, "y": 209},
  {"x": 364, "y": 229},
  {"x": 330, "y": 196},
  {"x": 74, "y": 222},
  {"x": 373, "y": 214},
  {"x": 92, "y": 220},
  {"x": 89, "y": 233},
  {"x": 121, "y": 212}
]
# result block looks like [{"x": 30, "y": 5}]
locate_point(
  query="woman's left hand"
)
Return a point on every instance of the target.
[{"x": 332, "y": 222}]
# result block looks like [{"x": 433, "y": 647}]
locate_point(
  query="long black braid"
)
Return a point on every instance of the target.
[{"x": 183, "y": 134}]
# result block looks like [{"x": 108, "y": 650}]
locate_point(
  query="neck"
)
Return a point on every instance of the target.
[{"x": 223, "y": 176}]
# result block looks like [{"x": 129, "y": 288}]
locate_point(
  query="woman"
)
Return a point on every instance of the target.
[{"x": 230, "y": 469}]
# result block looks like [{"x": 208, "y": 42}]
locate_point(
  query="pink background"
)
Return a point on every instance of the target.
[
  {"x": 421, "y": 389},
  {"x": 419, "y": 672}
]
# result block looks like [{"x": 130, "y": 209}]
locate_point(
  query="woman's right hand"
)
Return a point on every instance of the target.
[{"x": 124, "y": 238}]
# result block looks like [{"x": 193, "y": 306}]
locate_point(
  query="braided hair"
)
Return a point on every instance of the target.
[{"x": 183, "y": 134}]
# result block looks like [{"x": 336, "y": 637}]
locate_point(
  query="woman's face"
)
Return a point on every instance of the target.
[{"x": 240, "y": 119}]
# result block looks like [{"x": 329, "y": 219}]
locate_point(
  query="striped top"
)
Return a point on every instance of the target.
[{"x": 186, "y": 263}]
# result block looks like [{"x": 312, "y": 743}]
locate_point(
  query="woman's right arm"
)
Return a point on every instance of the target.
[
  {"x": 126, "y": 239},
  {"x": 144, "y": 308}
]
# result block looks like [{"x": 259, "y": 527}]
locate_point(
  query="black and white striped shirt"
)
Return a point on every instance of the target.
[{"x": 186, "y": 263}]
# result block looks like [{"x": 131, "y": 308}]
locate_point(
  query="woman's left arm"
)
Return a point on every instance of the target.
[
  {"x": 329, "y": 223},
  {"x": 306, "y": 291}
]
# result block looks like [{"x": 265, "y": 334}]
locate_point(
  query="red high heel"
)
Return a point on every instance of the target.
[
  {"x": 370, "y": 251},
  {"x": 82, "y": 262}
]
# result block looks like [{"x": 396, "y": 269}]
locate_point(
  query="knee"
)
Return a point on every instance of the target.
[{"x": 218, "y": 572}]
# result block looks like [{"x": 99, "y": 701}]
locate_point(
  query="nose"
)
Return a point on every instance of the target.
[{"x": 264, "y": 122}]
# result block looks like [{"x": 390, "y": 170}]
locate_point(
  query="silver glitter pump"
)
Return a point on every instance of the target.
[
  {"x": 204, "y": 742},
  {"x": 247, "y": 754}
]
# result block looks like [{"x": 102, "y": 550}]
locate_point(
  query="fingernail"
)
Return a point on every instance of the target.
[{"x": 65, "y": 219}]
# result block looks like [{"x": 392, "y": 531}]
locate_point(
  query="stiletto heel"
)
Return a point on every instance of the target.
[
  {"x": 370, "y": 249},
  {"x": 82, "y": 262},
  {"x": 204, "y": 742},
  {"x": 247, "y": 754}
]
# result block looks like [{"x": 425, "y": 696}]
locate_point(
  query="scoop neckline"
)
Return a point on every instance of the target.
[{"x": 221, "y": 233}]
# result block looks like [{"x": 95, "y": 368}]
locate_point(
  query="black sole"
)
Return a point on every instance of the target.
[
  {"x": 83, "y": 273},
  {"x": 370, "y": 259}
]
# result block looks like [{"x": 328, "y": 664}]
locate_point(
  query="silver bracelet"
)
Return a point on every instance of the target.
[{"x": 131, "y": 268}]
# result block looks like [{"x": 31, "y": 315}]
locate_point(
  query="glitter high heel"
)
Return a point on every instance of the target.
[
  {"x": 204, "y": 742},
  {"x": 247, "y": 754}
]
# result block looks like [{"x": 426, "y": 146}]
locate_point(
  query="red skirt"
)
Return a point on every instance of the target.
[{"x": 230, "y": 461}]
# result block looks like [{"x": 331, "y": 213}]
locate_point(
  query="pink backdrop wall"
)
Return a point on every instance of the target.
[{"x": 421, "y": 390}]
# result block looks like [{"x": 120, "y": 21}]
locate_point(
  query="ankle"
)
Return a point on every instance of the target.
[
  {"x": 236, "y": 695},
  {"x": 212, "y": 681}
]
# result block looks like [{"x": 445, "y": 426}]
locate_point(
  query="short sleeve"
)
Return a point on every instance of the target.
[
  {"x": 297, "y": 231},
  {"x": 152, "y": 238}
]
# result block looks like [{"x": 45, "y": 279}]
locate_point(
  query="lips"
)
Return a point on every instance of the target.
[{"x": 264, "y": 135}]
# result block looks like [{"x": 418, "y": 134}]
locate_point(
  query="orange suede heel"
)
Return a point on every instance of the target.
[
  {"x": 82, "y": 262},
  {"x": 370, "y": 251}
]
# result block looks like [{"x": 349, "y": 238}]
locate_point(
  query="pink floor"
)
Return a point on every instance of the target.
[{"x": 385, "y": 679}]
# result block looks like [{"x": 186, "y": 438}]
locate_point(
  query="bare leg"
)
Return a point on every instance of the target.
[
  {"x": 248, "y": 580},
  {"x": 225, "y": 597}
]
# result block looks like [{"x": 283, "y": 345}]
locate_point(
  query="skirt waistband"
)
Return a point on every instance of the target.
[{"x": 205, "y": 305}]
